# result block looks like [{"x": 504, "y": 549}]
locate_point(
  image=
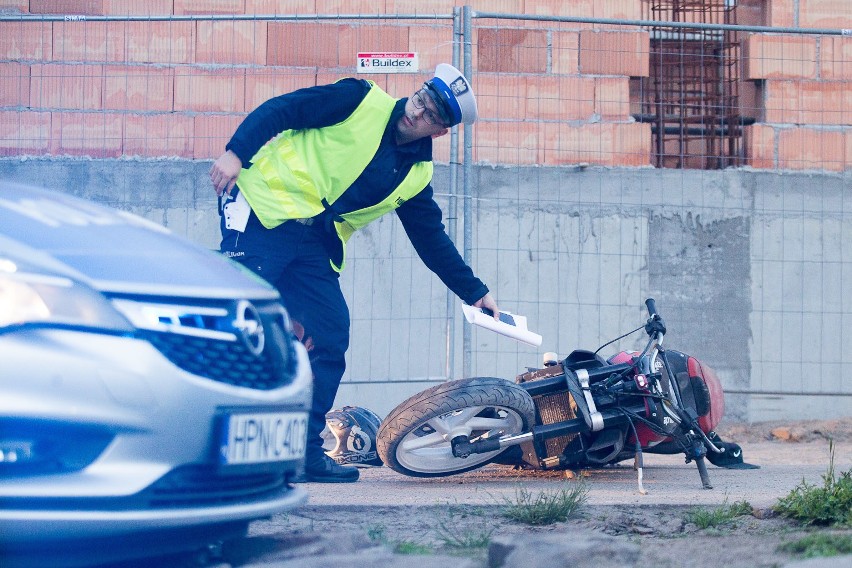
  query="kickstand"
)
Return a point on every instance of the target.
[
  {"x": 697, "y": 452},
  {"x": 637, "y": 465},
  {"x": 702, "y": 471}
]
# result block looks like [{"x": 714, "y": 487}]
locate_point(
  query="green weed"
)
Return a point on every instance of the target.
[
  {"x": 409, "y": 547},
  {"x": 451, "y": 538},
  {"x": 707, "y": 518},
  {"x": 377, "y": 533},
  {"x": 447, "y": 529},
  {"x": 819, "y": 544},
  {"x": 546, "y": 507},
  {"x": 830, "y": 504}
]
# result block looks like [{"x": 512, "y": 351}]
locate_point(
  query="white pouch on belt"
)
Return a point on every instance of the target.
[{"x": 237, "y": 213}]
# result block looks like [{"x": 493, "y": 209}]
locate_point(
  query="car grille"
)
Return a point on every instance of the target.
[
  {"x": 200, "y": 485},
  {"x": 204, "y": 341},
  {"x": 221, "y": 361}
]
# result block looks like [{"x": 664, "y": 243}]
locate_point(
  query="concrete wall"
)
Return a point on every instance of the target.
[{"x": 751, "y": 270}]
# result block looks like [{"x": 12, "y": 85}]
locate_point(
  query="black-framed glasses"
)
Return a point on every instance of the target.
[{"x": 429, "y": 116}]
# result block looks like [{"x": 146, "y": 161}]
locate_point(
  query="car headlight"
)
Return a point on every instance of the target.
[
  {"x": 29, "y": 297},
  {"x": 33, "y": 446}
]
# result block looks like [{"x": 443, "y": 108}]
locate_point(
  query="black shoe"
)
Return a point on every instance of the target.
[{"x": 325, "y": 470}]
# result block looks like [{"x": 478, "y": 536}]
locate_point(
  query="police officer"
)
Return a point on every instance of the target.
[{"x": 304, "y": 171}]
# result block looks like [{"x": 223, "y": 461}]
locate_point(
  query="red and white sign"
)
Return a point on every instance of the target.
[{"x": 388, "y": 62}]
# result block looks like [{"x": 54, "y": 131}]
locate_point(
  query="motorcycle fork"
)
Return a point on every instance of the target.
[{"x": 692, "y": 442}]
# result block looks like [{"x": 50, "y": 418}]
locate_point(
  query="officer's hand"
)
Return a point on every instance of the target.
[
  {"x": 224, "y": 172},
  {"x": 487, "y": 301}
]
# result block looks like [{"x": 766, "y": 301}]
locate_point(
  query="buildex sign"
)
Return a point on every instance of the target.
[{"x": 387, "y": 62}]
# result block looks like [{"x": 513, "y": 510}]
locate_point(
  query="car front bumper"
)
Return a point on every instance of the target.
[{"x": 159, "y": 425}]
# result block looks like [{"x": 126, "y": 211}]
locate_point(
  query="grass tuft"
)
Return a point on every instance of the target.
[
  {"x": 819, "y": 544},
  {"x": 409, "y": 547},
  {"x": 546, "y": 507},
  {"x": 707, "y": 518},
  {"x": 467, "y": 541},
  {"x": 378, "y": 533},
  {"x": 451, "y": 538},
  {"x": 830, "y": 504}
]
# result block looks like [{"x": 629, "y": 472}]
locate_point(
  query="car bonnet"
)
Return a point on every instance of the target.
[{"x": 116, "y": 251}]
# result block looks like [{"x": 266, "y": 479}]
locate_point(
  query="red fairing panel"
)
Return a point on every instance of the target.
[
  {"x": 623, "y": 357},
  {"x": 717, "y": 398}
]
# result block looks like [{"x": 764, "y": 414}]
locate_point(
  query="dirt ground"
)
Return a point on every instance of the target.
[
  {"x": 665, "y": 536},
  {"x": 804, "y": 431},
  {"x": 662, "y": 528}
]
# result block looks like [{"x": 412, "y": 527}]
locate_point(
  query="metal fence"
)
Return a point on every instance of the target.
[{"x": 706, "y": 164}]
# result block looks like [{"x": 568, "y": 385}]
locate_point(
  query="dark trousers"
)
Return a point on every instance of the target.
[{"x": 292, "y": 258}]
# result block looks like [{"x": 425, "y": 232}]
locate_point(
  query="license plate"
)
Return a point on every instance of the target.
[{"x": 263, "y": 437}]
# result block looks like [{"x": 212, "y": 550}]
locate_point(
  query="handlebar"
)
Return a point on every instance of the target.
[
  {"x": 656, "y": 327},
  {"x": 652, "y": 307}
]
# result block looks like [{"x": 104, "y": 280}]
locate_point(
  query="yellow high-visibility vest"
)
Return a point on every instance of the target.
[{"x": 296, "y": 171}]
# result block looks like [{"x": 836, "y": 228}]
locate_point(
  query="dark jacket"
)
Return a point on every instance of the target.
[{"x": 316, "y": 107}]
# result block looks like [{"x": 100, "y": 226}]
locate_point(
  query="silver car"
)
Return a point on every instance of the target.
[{"x": 151, "y": 391}]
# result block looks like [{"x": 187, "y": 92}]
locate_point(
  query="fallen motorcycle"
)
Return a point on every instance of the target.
[{"x": 581, "y": 412}]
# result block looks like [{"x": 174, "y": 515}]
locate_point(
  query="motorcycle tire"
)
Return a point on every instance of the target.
[{"x": 414, "y": 439}]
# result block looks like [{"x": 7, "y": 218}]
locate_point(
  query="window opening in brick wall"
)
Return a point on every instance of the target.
[{"x": 691, "y": 96}]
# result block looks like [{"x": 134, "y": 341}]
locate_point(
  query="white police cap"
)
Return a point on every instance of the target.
[{"x": 456, "y": 93}]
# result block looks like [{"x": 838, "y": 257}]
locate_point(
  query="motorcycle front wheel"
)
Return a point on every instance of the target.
[{"x": 415, "y": 437}]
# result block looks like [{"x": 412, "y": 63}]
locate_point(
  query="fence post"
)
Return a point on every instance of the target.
[
  {"x": 452, "y": 209},
  {"x": 467, "y": 168}
]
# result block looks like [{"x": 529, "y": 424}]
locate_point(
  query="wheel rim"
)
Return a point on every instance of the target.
[{"x": 427, "y": 448}]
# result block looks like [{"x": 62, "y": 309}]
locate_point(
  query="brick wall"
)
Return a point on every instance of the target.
[
  {"x": 804, "y": 88},
  {"x": 550, "y": 93}
]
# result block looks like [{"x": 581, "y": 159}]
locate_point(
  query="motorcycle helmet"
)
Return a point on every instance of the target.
[{"x": 349, "y": 436}]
